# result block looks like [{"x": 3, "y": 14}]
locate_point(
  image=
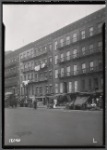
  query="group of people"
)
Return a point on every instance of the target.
[{"x": 25, "y": 101}]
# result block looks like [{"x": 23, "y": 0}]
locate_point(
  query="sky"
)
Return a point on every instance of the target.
[{"x": 28, "y": 23}]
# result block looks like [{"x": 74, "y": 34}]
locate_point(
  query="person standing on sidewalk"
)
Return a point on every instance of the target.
[{"x": 35, "y": 103}]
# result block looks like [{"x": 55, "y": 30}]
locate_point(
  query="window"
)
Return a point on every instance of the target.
[
  {"x": 69, "y": 87},
  {"x": 99, "y": 27},
  {"x": 45, "y": 48},
  {"x": 56, "y": 73},
  {"x": 29, "y": 64},
  {"x": 90, "y": 84},
  {"x": 56, "y": 59},
  {"x": 40, "y": 51},
  {"x": 26, "y": 65},
  {"x": 56, "y": 88},
  {"x": 28, "y": 76},
  {"x": 32, "y": 64},
  {"x": 33, "y": 90},
  {"x": 83, "y": 85},
  {"x": 84, "y": 68},
  {"x": 36, "y": 77},
  {"x": 50, "y": 47},
  {"x": 68, "y": 55},
  {"x": 50, "y": 60},
  {"x": 83, "y": 34},
  {"x": 74, "y": 37},
  {"x": 91, "y": 31},
  {"x": 74, "y": 53},
  {"x": 50, "y": 89},
  {"x": 37, "y": 90},
  {"x": 99, "y": 62},
  {"x": 62, "y": 57},
  {"x": 91, "y": 65},
  {"x": 62, "y": 72},
  {"x": 75, "y": 86},
  {"x": 96, "y": 83},
  {"x": 101, "y": 83},
  {"x": 28, "y": 53},
  {"x": 91, "y": 48},
  {"x": 75, "y": 69},
  {"x": 62, "y": 42},
  {"x": 45, "y": 61},
  {"x": 25, "y": 54},
  {"x": 100, "y": 45},
  {"x": 25, "y": 77},
  {"x": 32, "y": 51},
  {"x": 47, "y": 89},
  {"x": 37, "y": 52},
  {"x": 61, "y": 87},
  {"x": 56, "y": 44},
  {"x": 21, "y": 56},
  {"x": 50, "y": 74},
  {"x": 67, "y": 40},
  {"x": 68, "y": 71},
  {"x": 40, "y": 89},
  {"x": 45, "y": 75},
  {"x": 83, "y": 50}
]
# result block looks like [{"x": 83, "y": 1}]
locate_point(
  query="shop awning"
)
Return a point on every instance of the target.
[{"x": 80, "y": 100}]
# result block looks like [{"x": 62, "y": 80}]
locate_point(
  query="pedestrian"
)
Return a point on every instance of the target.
[
  {"x": 26, "y": 101},
  {"x": 55, "y": 102},
  {"x": 35, "y": 103}
]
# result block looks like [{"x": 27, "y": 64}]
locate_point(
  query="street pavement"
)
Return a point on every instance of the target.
[{"x": 47, "y": 127}]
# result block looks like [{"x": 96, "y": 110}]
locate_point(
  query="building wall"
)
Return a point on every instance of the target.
[
  {"x": 94, "y": 20},
  {"x": 40, "y": 81},
  {"x": 11, "y": 72},
  {"x": 71, "y": 37}
]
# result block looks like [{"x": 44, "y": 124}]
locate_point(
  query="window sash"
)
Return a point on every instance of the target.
[
  {"x": 61, "y": 87},
  {"x": 76, "y": 86},
  {"x": 56, "y": 73},
  {"x": 67, "y": 40}
]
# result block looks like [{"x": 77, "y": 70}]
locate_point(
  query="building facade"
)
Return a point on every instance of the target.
[
  {"x": 78, "y": 55},
  {"x": 68, "y": 60},
  {"x": 36, "y": 67},
  {"x": 11, "y": 72}
]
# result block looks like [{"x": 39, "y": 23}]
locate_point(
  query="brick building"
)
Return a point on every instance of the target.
[
  {"x": 68, "y": 60},
  {"x": 11, "y": 72},
  {"x": 78, "y": 53},
  {"x": 36, "y": 67}
]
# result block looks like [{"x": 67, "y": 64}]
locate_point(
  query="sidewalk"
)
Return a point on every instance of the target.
[{"x": 44, "y": 106}]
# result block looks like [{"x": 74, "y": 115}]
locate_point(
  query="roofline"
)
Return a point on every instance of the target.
[{"x": 52, "y": 35}]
